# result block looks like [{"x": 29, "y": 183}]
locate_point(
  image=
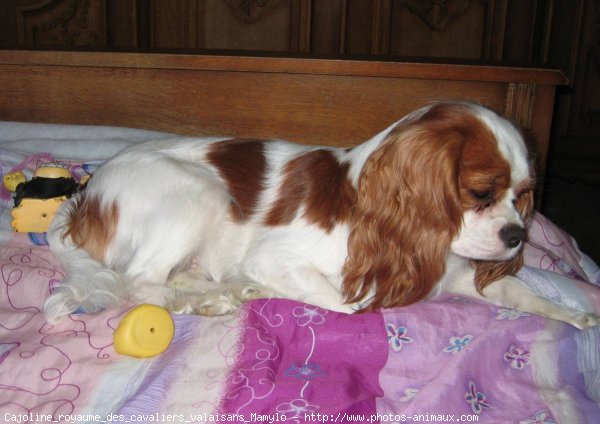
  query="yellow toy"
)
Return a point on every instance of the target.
[
  {"x": 37, "y": 200},
  {"x": 145, "y": 331}
]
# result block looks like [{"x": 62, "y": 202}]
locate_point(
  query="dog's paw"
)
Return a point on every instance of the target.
[
  {"x": 224, "y": 305},
  {"x": 585, "y": 320},
  {"x": 251, "y": 292},
  {"x": 185, "y": 281},
  {"x": 207, "y": 304},
  {"x": 224, "y": 300}
]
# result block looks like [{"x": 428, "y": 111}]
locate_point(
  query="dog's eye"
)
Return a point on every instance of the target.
[
  {"x": 482, "y": 195},
  {"x": 483, "y": 198}
]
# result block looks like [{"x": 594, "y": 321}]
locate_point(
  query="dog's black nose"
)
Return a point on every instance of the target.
[{"x": 512, "y": 235}]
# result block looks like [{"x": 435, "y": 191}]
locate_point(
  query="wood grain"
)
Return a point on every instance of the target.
[{"x": 269, "y": 64}]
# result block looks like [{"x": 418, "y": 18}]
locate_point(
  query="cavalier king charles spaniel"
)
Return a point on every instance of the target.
[{"x": 437, "y": 202}]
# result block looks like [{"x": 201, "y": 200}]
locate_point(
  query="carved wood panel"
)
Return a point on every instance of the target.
[
  {"x": 268, "y": 25},
  {"x": 425, "y": 28},
  {"x": 248, "y": 25},
  {"x": 64, "y": 23},
  {"x": 439, "y": 28}
]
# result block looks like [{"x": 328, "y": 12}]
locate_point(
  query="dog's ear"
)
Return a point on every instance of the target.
[
  {"x": 487, "y": 272},
  {"x": 407, "y": 214},
  {"x": 91, "y": 225}
]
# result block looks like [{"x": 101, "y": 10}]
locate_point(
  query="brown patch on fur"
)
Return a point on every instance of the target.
[
  {"x": 319, "y": 183},
  {"x": 92, "y": 227},
  {"x": 412, "y": 193},
  {"x": 242, "y": 164},
  {"x": 482, "y": 170}
]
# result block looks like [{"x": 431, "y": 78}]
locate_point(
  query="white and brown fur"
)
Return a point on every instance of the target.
[{"x": 437, "y": 202}]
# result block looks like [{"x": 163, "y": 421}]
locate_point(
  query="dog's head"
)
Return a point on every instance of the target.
[{"x": 452, "y": 177}]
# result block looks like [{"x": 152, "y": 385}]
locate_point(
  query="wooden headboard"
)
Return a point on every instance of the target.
[{"x": 314, "y": 101}]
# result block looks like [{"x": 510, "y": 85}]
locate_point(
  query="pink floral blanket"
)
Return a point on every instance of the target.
[{"x": 449, "y": 358}]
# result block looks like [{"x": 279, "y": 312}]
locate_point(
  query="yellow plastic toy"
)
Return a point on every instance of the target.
[
  {"x": 143, "y": 332},
  {"x": 35, "y": 215},
  {"x": 12, "y": 180},
  {"x": 37, "y": 200}
]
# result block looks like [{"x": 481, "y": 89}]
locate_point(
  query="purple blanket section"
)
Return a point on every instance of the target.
[
  {"x": 462, "y": 357},
  {"x": 447, "y": 357},
  {"x": 296, "y": 359}
]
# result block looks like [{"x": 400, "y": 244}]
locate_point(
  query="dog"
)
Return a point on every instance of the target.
[{"x": 439, "y": 201}]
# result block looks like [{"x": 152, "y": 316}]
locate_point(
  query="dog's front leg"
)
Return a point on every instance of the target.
[
  {"x": 509, "y": 292},
  {"x": 513, "y": 293},
  {"x": 305, "y": 283}
]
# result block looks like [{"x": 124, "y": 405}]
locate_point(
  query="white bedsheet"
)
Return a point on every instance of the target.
[{"x": 71, "y": 142}]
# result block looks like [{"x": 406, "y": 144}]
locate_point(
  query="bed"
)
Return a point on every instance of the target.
[{"x": 449, "y": 358}]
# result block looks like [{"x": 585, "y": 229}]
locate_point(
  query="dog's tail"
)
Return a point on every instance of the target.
[{"x": 89, "y": 286}]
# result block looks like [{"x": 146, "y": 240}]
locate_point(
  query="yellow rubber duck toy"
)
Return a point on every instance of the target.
[{"x": 145, "y": 331}]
